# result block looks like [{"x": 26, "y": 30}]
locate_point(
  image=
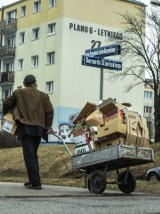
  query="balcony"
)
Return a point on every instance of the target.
[
  {"x": 7, "y": 77},
  {"x": 7, "y": 52},
  {"x": 8, "y": 26}
]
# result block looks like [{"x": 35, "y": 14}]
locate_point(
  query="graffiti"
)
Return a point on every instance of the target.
[{"x": 66, "y": 127}]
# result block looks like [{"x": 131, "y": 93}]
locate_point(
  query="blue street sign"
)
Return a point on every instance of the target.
[
  {"x": 101, "y": 62},
  {"x": 109, "y": 50}
]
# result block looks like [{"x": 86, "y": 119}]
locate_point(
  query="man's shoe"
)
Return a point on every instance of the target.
[
  {"x": 35, "y": 187},
  {"x": 27, "y": 184}
]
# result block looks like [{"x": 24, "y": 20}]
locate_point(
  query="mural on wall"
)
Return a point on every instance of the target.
[{"x": 66, "y": 127}]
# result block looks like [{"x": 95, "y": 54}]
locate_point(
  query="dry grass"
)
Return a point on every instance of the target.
[{"x": 56, "y": 168}]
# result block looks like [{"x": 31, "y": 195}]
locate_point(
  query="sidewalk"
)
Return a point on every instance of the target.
[{"x": 18, "y": 190}]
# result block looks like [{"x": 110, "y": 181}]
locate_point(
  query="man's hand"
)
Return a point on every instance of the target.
[{"x": 50, "y": 131}]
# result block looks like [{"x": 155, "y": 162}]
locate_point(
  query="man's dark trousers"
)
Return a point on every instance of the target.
[{"x": 30, "y": 146}]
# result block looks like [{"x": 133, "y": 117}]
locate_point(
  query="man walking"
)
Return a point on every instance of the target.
[{"x": 33, "y": 113}]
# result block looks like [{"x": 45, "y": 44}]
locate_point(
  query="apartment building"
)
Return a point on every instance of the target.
[{"x": 48, "y": 39}]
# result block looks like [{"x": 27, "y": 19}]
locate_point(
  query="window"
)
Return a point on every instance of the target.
[
  {"x": 148, "y": 94},
  {"x": 23, "y": 11},
  {"x": 8, "y": 66},
  {"x": 35, "y": 33},
  {"x": 50, "y": 57},
  {"x": 10, "y": 41},
  {"x": 11, "y": 16},
  {"x": 34, "y": 61},
  {"x": 52, "y": 3},
  {"x": 37, "y": 6},
  {"x": 22, "y": 36},
  {"x": 147, "y": 109},
  {"x": 49, "y": 87},
  {"x": 20, "y": 64},
  {"x": 6, "y": 92},
  {"x": 51, "y": 28}
]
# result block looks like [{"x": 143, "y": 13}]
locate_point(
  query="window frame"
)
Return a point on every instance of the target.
[
  {"x": 10, "y": 41},
  {"x": 50, "y": 58},
  {"x": 49, "y": 89},
  {"x": 51, "y": 29},
  {"x": 37, "y": 6},
  {"x": 34, "y": 61},
  {"x": 20, "y": 64},
  {"x": 22, "y": 37},
  {"x": 147, "y": 109},
  {"x": 52, "y": 3},
  {"x": 9, "y": 65},
  {"x": 23, "y": 11},
  {"x": 35, "y": 33},
  {"x": 148, "y": 94},
  {"x": 6, "y": 92}
]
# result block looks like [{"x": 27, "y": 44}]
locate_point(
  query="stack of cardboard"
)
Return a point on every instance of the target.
[
  {"x": 137, "y": 130},
  {"x": 110, "y": 123},
  {"x": 83, "y": 134}
]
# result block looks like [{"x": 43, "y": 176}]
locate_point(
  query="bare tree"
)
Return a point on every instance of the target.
[{"x": 142, "y": 49}]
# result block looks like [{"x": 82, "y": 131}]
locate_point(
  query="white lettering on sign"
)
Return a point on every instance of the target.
[
  {"x": 101, "y": 62},
  {"x": 92, "y": 30},
  {"x": 102, "y": 51}
]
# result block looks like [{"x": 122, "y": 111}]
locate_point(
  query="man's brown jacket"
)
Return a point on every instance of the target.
[{"x": 31, "y": 107}]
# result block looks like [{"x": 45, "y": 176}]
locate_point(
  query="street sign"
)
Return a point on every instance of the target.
[
  {"x": 109, "y": 50},
  {"x": 99, "y": 62}
]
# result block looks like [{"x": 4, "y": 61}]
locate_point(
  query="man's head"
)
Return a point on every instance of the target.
[{"x": 29, "y": 80}]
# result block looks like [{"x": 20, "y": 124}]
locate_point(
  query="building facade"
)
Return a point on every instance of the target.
[{"x": 48, "y": 39}]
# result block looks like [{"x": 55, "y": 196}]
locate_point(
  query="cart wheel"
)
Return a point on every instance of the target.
[
  {"x": 126, "y": 182},
  {"x": 98, "y": 182}
]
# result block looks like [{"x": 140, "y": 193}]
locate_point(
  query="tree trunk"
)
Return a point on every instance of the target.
[{"x": 157, "y": 118}]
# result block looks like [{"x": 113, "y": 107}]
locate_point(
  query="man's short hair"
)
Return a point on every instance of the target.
[{"x": 29, "y": 79}]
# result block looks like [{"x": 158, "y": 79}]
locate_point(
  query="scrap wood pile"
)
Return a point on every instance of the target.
[{"x": 109, "y": 123}]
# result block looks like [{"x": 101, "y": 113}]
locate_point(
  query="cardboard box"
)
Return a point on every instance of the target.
[
  {"x": 78, "y": 130},
  {"x": 137, "y": 130},
  {"x": 133, "y": 131},
  {"x": 79, "y": 139},
  {"x": 145, "y": 134},
  {"x": 94, "y": 145},
  {"x": 114, "y": 120},
  {"x": 88, "y": 109},
  {"x": 81, "y": 146},
  {"x": 115, "y": 123},
  {"x": 104, "y": 144},
  {"x": 9, "y": 124},
  {"x": 95, "y": 118}
]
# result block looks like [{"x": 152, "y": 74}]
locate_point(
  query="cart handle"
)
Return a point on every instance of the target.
[{"x": 66, "y": 147}]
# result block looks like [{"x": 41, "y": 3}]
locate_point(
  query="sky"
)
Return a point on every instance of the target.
[{"x": 6, "y": 2}]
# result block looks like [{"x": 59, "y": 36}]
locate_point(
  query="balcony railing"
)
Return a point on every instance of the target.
[
  {"x": 7, "y": 77},
  {"x": 8, "y": 26},
  {"x": 7, "y": 52}
]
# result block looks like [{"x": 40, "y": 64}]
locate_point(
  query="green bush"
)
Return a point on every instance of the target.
[{"x": 8, "y": 141}]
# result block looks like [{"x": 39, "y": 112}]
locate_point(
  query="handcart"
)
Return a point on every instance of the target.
[{"x": 97, "y": 163}]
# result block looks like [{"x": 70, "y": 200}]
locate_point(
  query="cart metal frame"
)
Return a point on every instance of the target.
[{"x": 96, "y": 164}]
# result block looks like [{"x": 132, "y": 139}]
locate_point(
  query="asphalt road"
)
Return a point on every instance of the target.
[{"x": 15, "y": 199}]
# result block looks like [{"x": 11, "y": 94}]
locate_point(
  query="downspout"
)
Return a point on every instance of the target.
[{"x": 1, "y": 37}]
